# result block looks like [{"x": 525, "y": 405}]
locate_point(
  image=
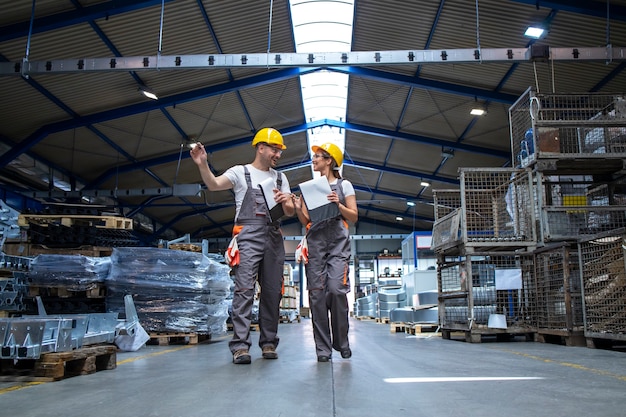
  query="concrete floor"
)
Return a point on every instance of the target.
[{"x": 389, "y": 374}]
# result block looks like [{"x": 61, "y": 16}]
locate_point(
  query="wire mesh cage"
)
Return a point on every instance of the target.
[
  {"x": 497, "y": 207},
  {"x": 447, "y": 232},
  {"x": 446, "y": 202},
  {"x": 559, "y": 293},
  {"x": 579, "y": 205},
  {"x": 475, "y": 289},
  {"x": 603, "y": 266},
  {"x": 589, "y": 125}
]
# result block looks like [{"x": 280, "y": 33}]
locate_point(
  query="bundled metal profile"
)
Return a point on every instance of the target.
[{"x": 28, "y": 337}]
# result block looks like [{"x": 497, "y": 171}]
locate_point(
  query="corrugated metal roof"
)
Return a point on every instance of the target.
[{"x": 96, "y": 128}]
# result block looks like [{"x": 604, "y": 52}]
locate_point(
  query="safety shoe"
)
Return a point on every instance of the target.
[
  {"x": 346, "y": 353},
  {"x": 269, "y": 352},
  {"x": 323, "y": 358},
  {"x": 242, "y": 357}
]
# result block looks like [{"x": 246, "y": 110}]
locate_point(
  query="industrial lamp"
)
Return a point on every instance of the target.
[
  {"x": 148, "y": 92},
  {"x": 534, "y": 32},
  {"x": 425, "y": 183},
  {"x": 478, "y": 111}
]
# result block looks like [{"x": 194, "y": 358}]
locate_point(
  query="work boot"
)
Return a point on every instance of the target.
[
  {"x": 346, "y": 353},
  {"x": 269, "y": 352},
  {"x": 242, "y": 357}
]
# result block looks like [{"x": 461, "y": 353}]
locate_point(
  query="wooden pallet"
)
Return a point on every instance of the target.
[
  {"x": 567, "y": 338},
  {"x": 175, "y": 338},
  {"x": 105, "y": 222},
  {"x": 417, "y": 328},
  {"x": 253, "y": 327},
  {"x": 286, "y": 319},
  {"x": 189, "y": 247},
  {"x": 98, "y": 291},
  {"x": 60, "y": 365},
  {"x": 397, "y": 327},
  {"x": 84, "y": 250},
  {"x": 413, "y": 328},
  {"x": 383, "y": 320}
]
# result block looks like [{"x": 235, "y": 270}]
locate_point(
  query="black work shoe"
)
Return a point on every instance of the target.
[
  {"x": 323, "y": 358},
  {"x": 269, "y": 352},
  {"x": 346, "y": 353},
  {"x": 242, "y": 357}
]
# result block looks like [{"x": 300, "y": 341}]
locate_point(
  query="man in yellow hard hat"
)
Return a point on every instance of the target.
[{"x": 257, "y": 251}]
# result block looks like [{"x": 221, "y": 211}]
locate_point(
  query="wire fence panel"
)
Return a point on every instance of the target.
[
  {"x": 559, "y": 294},
  {"x": 473, "y": 290},
  {"x": 588, "y": 125},
  {"x": 446, "y": 202},
  {"x": 498, "y": 207},
  {"x": 575, "y": 206},
  {"x": 603, "y": 265}
]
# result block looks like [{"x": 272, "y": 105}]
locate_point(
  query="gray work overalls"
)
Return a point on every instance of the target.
[
  {"x": 262, "y": 255},
  {"x": 327, "y": 280}
]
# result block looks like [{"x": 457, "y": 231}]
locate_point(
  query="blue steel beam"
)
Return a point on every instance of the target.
[
  {"x": 42, "y": 132},
  {"x": 370, "y": 130},
  {"x": 140, "y": 165},
  {"x": 268, "y": 77},
  {"x": 439, "y": 86},
  {"x": 209, "y": 26},
  {"x": 75, "y": 17},
  {"x": 585, "y": 7}
]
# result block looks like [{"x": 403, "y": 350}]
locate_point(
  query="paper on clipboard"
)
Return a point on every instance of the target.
[
  {"x": 315, "y": 193},
  {"x": 267, "y": 189}
]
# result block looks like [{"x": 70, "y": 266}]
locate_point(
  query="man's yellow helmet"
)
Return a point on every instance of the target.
[
  {"x": 269, "y": 136},
  {"x": 333, "y": 150}
]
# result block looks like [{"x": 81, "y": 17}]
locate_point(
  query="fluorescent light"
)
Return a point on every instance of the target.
[
  {"x": 148, "y": 93},
  {"x": 425, "y": 184},
  {"x": 410, "y": 203},
  {"x": 399, "y": 218},
  {"x": 477, "y": 111},
  {"x": 534, "y": 32}
]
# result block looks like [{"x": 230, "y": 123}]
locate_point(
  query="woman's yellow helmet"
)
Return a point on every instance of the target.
[{"x": 333, "y": 150}]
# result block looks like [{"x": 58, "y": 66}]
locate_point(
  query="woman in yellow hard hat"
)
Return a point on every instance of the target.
[
  {"x": 328, "y": 243},
  {"x": 257, "y": 251}
]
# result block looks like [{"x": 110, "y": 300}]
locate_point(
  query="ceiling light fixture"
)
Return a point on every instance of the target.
[
  {"x": 534, "y": 32},
  {"x": 425, "y": 184},
  {"x": 477, "y": 111},
  {"x": 399, "y": 218},
  {"x": 148, "y": 92},
  {"x": 410, "y": 203}
]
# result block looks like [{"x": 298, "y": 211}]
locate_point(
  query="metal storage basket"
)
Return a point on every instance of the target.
[
  {"x": 603, "y": 266},
  {"x": 573, "y": 125}
]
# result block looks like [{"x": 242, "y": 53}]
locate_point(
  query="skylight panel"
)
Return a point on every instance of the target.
[{"x": 323, "y": 26}]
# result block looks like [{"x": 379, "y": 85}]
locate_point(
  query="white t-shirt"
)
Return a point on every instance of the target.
[
  {"x": 346, "y": 187},
  {"x": 237, "y": 177}
]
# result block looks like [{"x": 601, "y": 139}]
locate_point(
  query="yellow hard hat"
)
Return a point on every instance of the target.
[
  {"x": 269, "y": 136},
  {"x": 333, "y": 150}
]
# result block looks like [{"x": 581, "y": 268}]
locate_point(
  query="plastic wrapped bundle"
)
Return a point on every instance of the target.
[
  {"x": 74, "y": 272},
  {"x": 177, "y": 291}
]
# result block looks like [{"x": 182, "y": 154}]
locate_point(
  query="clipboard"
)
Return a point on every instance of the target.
[
  {"x": 275, "y": 209},
  {"x": 315, "y": 193}
]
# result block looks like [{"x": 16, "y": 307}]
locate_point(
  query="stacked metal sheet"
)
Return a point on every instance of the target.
[
  {"x": 366, "y": 306},
  {"x": 390, "y": 298}
]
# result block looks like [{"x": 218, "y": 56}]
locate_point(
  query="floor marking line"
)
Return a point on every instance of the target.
[
  {"x": 568, "y": 364},
  {"x": 458, "y": 379}
]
